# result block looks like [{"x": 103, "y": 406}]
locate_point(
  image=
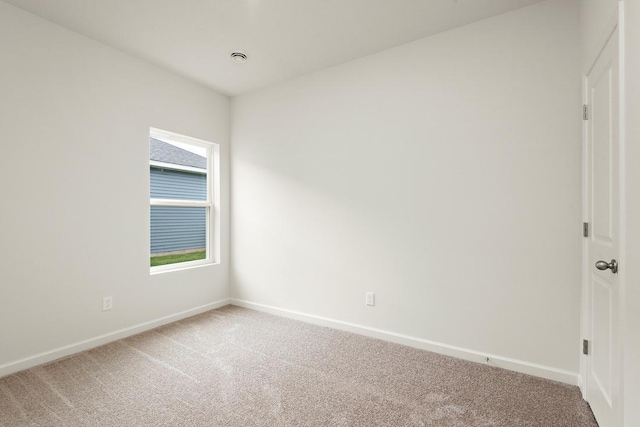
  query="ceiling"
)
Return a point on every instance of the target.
[{"x": 283, "y": 38}]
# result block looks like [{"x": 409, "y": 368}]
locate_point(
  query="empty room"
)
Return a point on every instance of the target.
[{"x": 320, "y": 213}]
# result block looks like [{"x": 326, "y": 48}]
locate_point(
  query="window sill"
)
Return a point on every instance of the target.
[{"x": 161, "y": 269}]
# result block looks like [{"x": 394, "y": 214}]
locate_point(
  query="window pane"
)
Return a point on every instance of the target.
[
  {"x": 177, "y": 171},
  {"x": 178, "y": 234},
  {"x": 174, "y": 184}
]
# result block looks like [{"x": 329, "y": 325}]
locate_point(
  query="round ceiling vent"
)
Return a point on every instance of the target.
[{"x": 239, "y": 57}]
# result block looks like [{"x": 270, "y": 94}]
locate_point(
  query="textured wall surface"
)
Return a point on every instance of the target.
[
  {"x": 76, "y": 117},
  {"x": 443, "y": 175}
]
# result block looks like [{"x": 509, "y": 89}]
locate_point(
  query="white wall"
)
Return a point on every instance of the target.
[
  {"x": 443, "y": 175},
  {"x": 74, "y": 175},
  {"x": 632, "y": 249}
]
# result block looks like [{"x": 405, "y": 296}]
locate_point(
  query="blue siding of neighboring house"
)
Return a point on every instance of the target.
[
  {"x": 177, "y": 228},
  {"x": 174, "y": 184}
]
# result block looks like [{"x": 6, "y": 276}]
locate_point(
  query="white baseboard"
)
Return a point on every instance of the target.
[
  {"x": 582, "y": 385},
  {"x": 542, "y": 371},
  {"x": 521, "y": 366},
  {"x": 49, "y": 356}
]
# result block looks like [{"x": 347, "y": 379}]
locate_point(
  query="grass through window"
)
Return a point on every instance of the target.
[{"x": 173, "y": 259}]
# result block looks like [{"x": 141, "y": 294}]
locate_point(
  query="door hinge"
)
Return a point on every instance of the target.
[
  {"x": 585, "y": 229},
  {"x": 585, "y": 112},
  {"x": 585, "y": 347}
]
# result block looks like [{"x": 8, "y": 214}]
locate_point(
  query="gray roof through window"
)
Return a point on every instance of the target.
[{"x": 162, "y": 152}]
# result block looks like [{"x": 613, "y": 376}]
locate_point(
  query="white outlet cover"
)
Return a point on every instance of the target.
[
  {"x": 107, "y": 303},
  {"x": 370, "y": 298}
]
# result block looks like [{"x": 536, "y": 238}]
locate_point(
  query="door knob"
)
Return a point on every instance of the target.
[{"x": 603, "y": 265}]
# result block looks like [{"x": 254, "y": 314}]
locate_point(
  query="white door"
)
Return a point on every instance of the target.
[{"x": 603, "y": 212}]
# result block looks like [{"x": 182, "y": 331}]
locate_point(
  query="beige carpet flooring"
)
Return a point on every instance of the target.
[{"x": 238, "y": 367}]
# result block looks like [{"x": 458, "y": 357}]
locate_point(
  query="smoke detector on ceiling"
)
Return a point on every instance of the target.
[{"x": 239, "y": 57}]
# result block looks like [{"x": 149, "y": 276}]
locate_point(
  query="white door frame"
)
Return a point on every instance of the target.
[{"x": 616, "y": 22}]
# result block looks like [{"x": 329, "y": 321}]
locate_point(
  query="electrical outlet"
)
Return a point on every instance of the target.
[
  {"x": 370, "y": 298},
  {"x": 107, "y": 303}
]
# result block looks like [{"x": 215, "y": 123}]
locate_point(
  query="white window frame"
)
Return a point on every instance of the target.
[{"x": 212, "y": 203}]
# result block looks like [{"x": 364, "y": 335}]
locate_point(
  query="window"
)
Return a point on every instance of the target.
[{"x": 184, "y": 195}]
